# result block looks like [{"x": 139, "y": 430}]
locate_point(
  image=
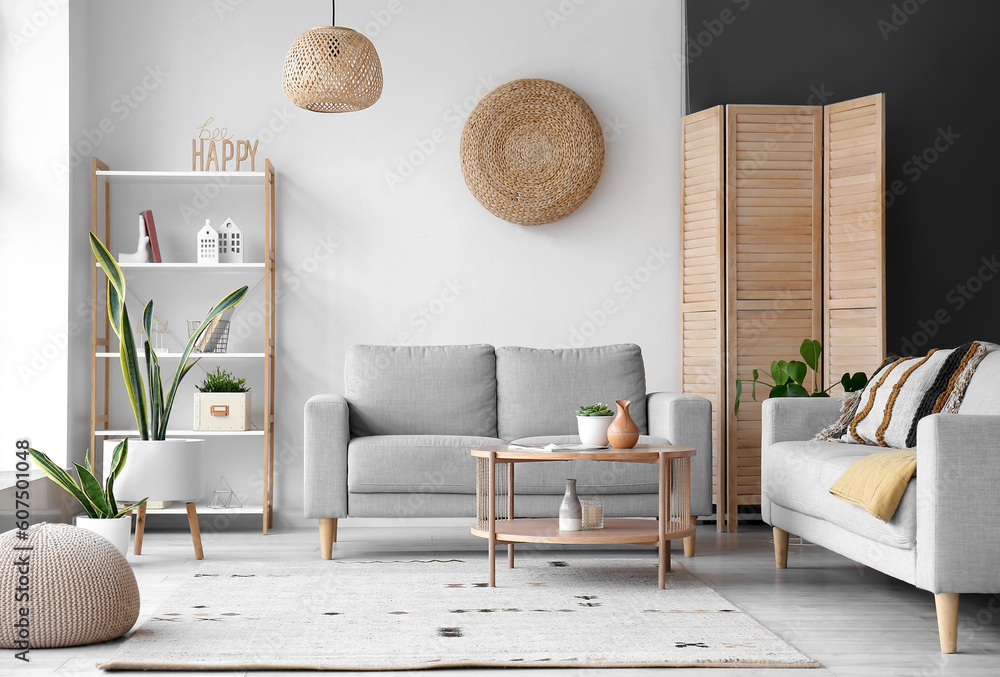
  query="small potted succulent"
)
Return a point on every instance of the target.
[
  {"x": 222, "y": 402},
  {"x": 103, "y": 515},
  {"x": 593, "y": 422}
]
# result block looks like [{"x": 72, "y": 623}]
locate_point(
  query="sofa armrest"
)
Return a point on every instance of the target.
[
  {"x": 958, "y": 472},
  {"x": 795, "y": 419},
  {"x": 327, "y": 434},
  {"x": 686, "y": 420}
]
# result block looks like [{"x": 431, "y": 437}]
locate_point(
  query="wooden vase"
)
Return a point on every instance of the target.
[{"x": 623, "y": 433}]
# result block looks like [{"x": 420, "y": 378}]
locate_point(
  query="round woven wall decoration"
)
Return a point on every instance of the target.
[
  {"x": 532, "y": 151},
  {"x": 331, "y": 69},
  {"x": 82, "y": 590}
]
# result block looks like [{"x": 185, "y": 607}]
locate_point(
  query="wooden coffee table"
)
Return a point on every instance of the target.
[{"x": 495, "y": 503}]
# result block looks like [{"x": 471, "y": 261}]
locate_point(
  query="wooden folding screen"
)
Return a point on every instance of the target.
[
  {"x": 703, "y": 193},
  {"x": 756, "y": 278},
  {"x": 854, "y": 237},
  {"x": 774, "y": 226}
]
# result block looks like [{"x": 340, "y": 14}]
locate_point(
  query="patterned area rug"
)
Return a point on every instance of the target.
[{"x": 359, "y": 615}]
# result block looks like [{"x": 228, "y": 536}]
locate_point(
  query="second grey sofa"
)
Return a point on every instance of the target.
[{"x": 397, "y": 444}]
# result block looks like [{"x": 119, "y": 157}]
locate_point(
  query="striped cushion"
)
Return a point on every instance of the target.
[{"x": 908, "y": 389}]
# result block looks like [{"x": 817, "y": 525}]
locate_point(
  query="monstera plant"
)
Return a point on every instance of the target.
[{"x": 789, "y": 377}]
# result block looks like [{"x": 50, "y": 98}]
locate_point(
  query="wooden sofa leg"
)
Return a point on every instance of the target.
[
  {"x": 689, "y": 541},
  {"x": 327, "y": 536},
  {"x": 947, "y": 618},
  {"x": 780, "y": 548}
]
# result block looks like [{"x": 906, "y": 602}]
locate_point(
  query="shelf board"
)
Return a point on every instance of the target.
[
  {"x": 176, "y": 356},
  {"x": 187, "y": 265},
  {"x": 205, "y": 511},
  {"x": 184, "y": 433},
  {"x": 234, "y": 178},
  {"x": 616, "y": 530}
]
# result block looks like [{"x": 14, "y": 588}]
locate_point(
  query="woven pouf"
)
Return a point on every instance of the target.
[
  {"x": 532, "y": 151},
  {"x": 80, "y": 589}
]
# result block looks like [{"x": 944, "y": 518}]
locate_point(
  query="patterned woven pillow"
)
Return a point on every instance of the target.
[
  {"x": 848, "y": 408},
  {"x": 908, "y": 389}
]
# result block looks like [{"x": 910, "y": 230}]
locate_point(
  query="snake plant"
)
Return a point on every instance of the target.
[
  {"x": 99, "y": 502},
  {"x": 151, "y": 414}
]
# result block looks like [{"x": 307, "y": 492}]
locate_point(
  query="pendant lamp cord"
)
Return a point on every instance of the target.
[{"x": 333, "y": 12}]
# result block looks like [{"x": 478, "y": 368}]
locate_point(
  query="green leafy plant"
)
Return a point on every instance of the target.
[
  {"x": 595, "y": 410},
  {"x": 151, "y": 414},
  {"x": 789, "y": 377},
  {"x": 221, "y": 381},
  {"x": 99, "y": 502}
]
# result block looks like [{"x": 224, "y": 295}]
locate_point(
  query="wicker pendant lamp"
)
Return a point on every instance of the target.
[{"x": 331, "y": 69}]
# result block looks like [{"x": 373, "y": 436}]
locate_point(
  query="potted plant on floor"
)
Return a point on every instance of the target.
[
  {"x": 166, "y": 469},
  {"x": 222, "y": 402},
  {"x": 592, "y": 422},
  {"x": 103, "y": 515}
]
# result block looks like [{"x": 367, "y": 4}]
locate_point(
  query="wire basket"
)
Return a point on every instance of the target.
[{"x": 214, "y": 340}]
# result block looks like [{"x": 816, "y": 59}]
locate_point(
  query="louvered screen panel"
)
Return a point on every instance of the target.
[
  {"x": 854, "y": 257},
  {"x": 702, "y": 276},
  {"x": 773, "y": 253}
]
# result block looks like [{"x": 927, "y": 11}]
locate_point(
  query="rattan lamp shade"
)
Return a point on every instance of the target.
[
  {"x": 532, "y": 151},
  {"x": 332, "y": 70}
]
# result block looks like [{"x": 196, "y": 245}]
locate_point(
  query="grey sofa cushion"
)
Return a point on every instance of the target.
[
  {"x": 983, "y": 396},
  {"x": 799, "y": 477},
  {"x": 539, "y": 391},
  {"x": 422, "y": 390},
  {"x": 433, "y": 464},
  {"x": 592, "y": 477}
]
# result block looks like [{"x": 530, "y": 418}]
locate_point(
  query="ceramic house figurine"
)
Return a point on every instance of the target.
[
  {"x": 208, "y": 244},
  {"x": 230, "y": 243}
]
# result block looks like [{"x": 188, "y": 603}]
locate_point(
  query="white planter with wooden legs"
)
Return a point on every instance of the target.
[{"x": 163, "y": 470}]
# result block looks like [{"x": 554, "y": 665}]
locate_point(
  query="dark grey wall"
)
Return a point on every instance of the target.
[{"x": 937, "y": 61}]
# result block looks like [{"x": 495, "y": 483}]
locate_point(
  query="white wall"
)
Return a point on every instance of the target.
[
  {"x": 361, "y": 260},
  {"x": 34, "y": 217}
]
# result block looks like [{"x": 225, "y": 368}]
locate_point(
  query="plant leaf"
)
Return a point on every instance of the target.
[
  {"x": 133, "y": 378},
  {"x": 779, "y": 372},
  {"x": 739, "y": 392},
  {"x": 92, "y": 488},
  {"x": 857, "y": 382},
  {"x": 820, "y": 393},
  {"x": 810, "y": 351},
  {"x": 797, "y": 371},
  {"x": 183, "y": 367},
  {"x": 116, "y": 283},
  {"x": 62, "y": 478},
  {"x": 795, "y": 390},
  {"x": 779, "y": 391}
]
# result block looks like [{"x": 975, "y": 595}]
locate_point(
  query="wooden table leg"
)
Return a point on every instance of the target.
[
  {"x": 662, "y": 499},
  {"x": 510, "y": 509},
  {"x": 195, "y": 531},
  {"x": 140, "y": 528},
  {"x": 491, "y": 515}
]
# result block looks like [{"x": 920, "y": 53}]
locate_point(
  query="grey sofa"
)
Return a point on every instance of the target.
[
  {"x": 943, "y": 535},
  {"x": 398, "y": 443}
]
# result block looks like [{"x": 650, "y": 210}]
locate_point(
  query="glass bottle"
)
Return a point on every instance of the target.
[{"x": 570, "y": 512}]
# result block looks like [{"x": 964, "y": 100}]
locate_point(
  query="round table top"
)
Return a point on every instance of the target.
[{"x": 640, "y": 453}]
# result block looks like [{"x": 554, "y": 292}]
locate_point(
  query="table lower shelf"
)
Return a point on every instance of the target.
[{"x": 546, "y": 530}]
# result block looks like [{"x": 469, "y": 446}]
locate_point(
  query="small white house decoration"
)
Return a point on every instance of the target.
[
  {"x": 208, "y": 244},
  {"x": 230, "y": 243}
]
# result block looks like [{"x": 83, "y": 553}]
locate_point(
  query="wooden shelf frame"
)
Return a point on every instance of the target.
[{"x": 102, "y": 176}]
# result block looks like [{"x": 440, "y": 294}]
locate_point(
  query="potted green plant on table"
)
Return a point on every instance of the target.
[
  {"x": 789, "y": 377},
  {"x": 222, "y": 402},
  {"x": 592, "y": 422},
  {"x": 99, "y": 502},
  {"x": 165, "y": 469}
]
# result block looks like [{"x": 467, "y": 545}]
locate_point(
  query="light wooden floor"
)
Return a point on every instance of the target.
[{"x": 855, "y": 621}]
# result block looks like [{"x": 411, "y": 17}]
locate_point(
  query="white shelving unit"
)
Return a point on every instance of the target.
[{"x": 103, "y": 349}]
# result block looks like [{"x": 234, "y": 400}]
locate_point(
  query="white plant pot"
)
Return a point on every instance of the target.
[
  {"x": 222, "y": 411},
  {"x": 163, "y": 470},
  {"x": 594, "y": 429},
  {"x": 115, "y": 530}
]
